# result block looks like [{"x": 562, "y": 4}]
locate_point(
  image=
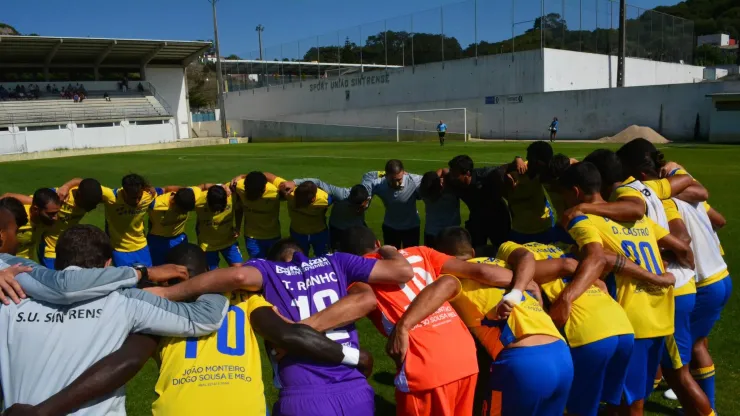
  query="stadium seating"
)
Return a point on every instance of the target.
[{"x": 54, "y": 110}]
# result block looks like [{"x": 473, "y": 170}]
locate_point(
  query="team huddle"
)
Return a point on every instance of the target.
[{"x": 574, "y": 287}]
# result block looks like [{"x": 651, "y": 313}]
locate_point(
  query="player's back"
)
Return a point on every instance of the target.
[
  {"x": 710, "y": 266},
  {"x": 594, "y": 315},
  {"x": 310, "y": 219},
  {"x": 215, "y": 230},
  {"x": 649, "y": 308},
  {"x": 216, "y": 374},
  {"x": 441, "y": 349},
  {"x": 303, "y": 287},
  {"x": 530, "y": 208},
  {"x": 45, "y": 347}
]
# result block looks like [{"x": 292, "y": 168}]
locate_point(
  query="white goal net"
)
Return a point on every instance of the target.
[{"x": 421, "y": 125}]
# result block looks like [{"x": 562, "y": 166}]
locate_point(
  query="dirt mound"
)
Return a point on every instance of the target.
[{"x": 634, "y": 132}]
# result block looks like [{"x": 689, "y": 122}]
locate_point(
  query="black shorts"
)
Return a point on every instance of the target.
[{"x": 441, "y": 134}]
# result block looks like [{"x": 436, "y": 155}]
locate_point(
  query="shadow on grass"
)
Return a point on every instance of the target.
[
  {"x": 384, "y": 377},
  {"x": 383, "y": 406},
  {"x": 659, "y": 408}
]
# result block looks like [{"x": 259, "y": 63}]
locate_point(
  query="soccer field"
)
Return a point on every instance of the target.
[{"x": 343, "y": 164}]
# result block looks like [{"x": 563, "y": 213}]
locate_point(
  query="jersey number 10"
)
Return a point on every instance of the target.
[{"x": 222, "y": 338}]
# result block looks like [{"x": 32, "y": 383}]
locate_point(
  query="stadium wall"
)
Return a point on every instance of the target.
[
  {"x": 568, "y": 70},
  {"x": 74, "y": 136},
  {"x": 507, "y": 96},
  {"x": 170, "y": 85}
]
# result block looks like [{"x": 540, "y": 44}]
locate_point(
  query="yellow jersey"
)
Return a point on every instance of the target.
[
  {"x": 476, "y": 304},
  {"x": 556, "y": 200},
  {"x": 215, "y": 230},
  {"x": 594, "y": 315},
  {"x": 529, "y": 206},
  {"x": 167, "y": 220},
  {"x": 310, "y": 219},
  {"x": 124, "y": 223},
  {"x": 261, "y": 216},
  {"x": 649, "y": 308},
  {"x": 69, "y": 214},
  {"x": 217, "y": 374},
  {"x": 28, "y": 238}
]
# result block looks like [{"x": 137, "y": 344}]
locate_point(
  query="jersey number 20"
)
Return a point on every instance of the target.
[{"x": 222, "y": 338}]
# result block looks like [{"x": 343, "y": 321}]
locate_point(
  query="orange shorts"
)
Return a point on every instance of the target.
[{"x": 451, "y": 399}]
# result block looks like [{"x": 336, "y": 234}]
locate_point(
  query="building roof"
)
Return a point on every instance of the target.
[{"x": 62, "y": 52}]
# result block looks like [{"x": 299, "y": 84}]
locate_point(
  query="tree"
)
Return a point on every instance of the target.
[
  {"x": 8, "y": 30},
  {"x": 233, "y": 57},
  {"x": 202, "y": 85}
]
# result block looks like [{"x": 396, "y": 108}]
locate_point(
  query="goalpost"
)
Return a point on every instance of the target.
[{"x": 427, "y": 126}]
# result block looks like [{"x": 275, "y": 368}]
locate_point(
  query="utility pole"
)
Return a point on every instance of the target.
[
  {"x": 220, "y": 77},
  {"x": 622, "y": 42},
  {"x": 259, "y": 30}
]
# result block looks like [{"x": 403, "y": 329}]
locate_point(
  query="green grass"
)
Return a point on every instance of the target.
[{"x": 343, "y": 164}]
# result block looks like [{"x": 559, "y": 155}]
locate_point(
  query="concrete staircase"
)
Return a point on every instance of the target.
[{"x": 55, "y": 110}]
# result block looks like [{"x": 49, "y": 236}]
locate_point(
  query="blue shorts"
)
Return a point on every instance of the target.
[
  {"x": 257, "y": 249},
  {"x": 48, "y": 262},
  {"x": 710, "y": 300},
  {"x": 354, "y": 398},
  {"x": 231, "y": 254},
  {"x": 599, "y": 369},
  {"x": 123, "y": 258},
  {"x": 319, "y": 242},
  {"x": 159, "y": 246},
  {"x": 532, "y": 380},
  {"x": 677, "y": 352},
  {"x": 642, "y": 368}
]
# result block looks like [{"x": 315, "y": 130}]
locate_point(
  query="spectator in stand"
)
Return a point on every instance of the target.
[
  {"x": 106, "y": 96},
  {"x": 82, "y": 89},
  {"x": 82, "y": 96},
  {"x": 76, "y": 98},
  {"x": 48, "y": 88},
  {"x": 140, "y": 87},
  {"x": 54, "y": 89},
  {"x": 3, "y": 93}
]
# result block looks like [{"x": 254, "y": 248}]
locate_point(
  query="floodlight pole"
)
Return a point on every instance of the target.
[
  {"x": 622, "y": 42},
  {"x": 220, "y": 77}
]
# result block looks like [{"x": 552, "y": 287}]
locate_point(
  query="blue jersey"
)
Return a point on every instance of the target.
[
  {"x": 442, "y": 127},
  {"x": 554, "y": 125}
]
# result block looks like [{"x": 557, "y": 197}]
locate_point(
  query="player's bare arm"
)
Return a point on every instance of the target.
[
  {"x": 104, "y": 377},
  {"x": 487, "y": 274},
  {"x": 393, "y": 268},
  {"x": 216, "y": 281},
  {"x": 24, "y": 199},
  {"x": 686, "y": 188},
  {"x": 63, "y": 191},
  {"x": 716, "y": 218},
  {"x": 429, "y": 300},
  {"x": 680, "y": 249},
  {"x": 589, "y": 269},
  {"x": 628, "y": 208},
  {"x": 303, "y": 341},
  {"x": 618, "y": 263},
  {"x": 358, "y": 303}
]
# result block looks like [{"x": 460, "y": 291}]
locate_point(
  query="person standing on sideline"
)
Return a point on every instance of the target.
[
  {"x": 441, "y": 130},
  {"x": 553, "y": 129}
]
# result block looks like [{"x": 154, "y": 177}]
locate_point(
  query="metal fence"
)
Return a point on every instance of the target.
[{"x": 469, "y": 29}]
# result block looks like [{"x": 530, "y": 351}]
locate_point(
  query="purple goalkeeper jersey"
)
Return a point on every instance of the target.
[{"x": 303, "y": 287}]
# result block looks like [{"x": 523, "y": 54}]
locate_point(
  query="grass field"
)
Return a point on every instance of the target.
[{"x": 343, "y": 164}]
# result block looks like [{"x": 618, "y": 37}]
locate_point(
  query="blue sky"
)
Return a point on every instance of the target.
[{"x": 285, "y": 21}]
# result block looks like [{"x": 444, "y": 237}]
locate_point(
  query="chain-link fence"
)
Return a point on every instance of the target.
[{"x": 469, "y": 29}]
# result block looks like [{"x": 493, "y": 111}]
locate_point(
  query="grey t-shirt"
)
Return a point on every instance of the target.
[
  {"x": 47, "y": 346},
  {"x": 400, "y": 204},
  {"x": 343, "y": 214}
]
